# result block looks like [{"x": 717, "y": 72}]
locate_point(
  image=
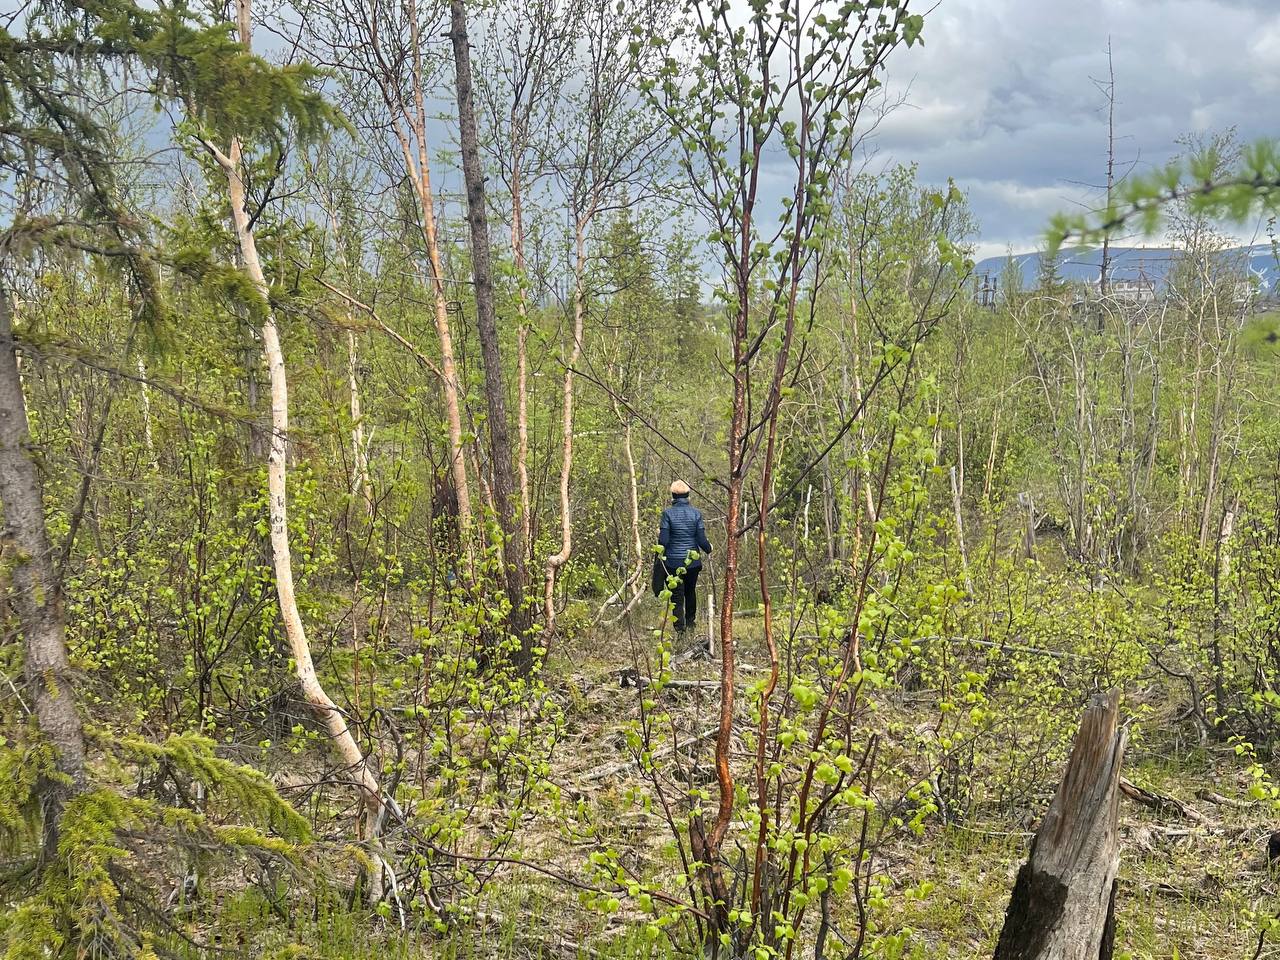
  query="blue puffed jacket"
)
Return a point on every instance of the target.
[{"x": 682, "y": 530}]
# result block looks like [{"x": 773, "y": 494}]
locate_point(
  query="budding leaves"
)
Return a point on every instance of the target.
[{"x": 911, "y": 29}]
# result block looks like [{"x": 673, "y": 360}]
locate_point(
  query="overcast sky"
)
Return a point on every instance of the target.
[{"x": 1000, "y": 96}]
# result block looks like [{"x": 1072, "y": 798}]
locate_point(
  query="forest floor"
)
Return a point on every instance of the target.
[{"x": 1192, "y": 873}]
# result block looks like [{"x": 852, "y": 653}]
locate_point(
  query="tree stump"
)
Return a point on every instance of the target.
[{"x": 1063, "y": 902}]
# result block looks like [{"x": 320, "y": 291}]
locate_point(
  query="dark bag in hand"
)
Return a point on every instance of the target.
[{"x": 659, "y": 576}]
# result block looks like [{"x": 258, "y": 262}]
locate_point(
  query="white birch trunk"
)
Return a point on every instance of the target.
[
  {"x": 360, "y": 481},
  {"x": 418, "y": 169},
  {"x": 295, "y": 633},
  {"x": 636, "y": 578},
  {"x": 561, "y": 557},
  {"x": 522, "y": 356},
  {"x": 146, "y": 412}
]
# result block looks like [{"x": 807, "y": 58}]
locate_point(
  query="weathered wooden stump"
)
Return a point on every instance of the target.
[{"x": 1063, "y": 903}]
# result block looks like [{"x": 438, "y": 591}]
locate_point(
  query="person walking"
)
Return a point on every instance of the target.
[{"x": 683, "y": 538}]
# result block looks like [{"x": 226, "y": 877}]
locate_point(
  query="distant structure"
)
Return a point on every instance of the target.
[
  {"x": 1140, "y": 289},
  {"x": 1137, "y": 274},
  {"x": 985, "y": 286}
]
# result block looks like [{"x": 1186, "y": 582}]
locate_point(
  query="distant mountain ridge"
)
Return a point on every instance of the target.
[{"x": 1135, "y": 264}]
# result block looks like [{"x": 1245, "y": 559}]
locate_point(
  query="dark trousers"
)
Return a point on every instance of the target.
[{"x": 685, "y": 599}]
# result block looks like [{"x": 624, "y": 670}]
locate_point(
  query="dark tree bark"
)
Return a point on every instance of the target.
[
  {"x": 36, "y": 593},
  {"x": 517, "y": 576},
  {"x": 1063, "y": 902}
]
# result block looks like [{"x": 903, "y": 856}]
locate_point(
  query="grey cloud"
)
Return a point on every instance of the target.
[{"x": 1000, "y": 96}]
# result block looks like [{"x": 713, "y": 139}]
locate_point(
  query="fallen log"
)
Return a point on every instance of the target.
[
  {"x": 1159, "y": 802},
  {"x": 1218, "y": 799},
  {"x": 1063, "y": 901}
]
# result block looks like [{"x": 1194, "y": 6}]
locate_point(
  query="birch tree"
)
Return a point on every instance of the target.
[
  {"x": 526, "y": 56},
  {"x": 381, "y": 49},
  {"x": 611, "y": 152},
  {"x": 500, "y": 453},
  {"x": 234, "y": 166},
  {"x": 792, "y": 77}
]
